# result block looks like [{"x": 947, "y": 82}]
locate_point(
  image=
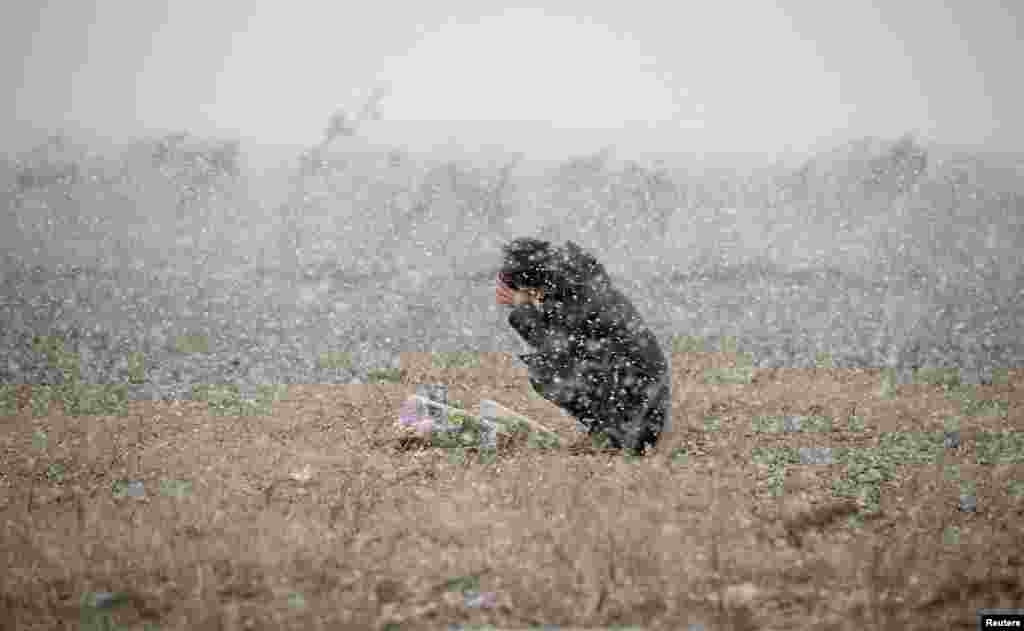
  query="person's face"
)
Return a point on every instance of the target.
[{"x": 505, "y": 295}]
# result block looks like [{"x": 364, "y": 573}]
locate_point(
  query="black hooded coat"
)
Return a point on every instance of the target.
[{"x": 595, "y": 358}]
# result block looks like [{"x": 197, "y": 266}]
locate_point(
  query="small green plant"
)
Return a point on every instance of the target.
[
  {"x": 455, "y": 360},
  {"x": 888, "y": 386},
  {"x": 457, "y": 455},
  {"x": 960, "y": 393},
  {"x": 767, "y": 424},
  {"x": 1015, "y": 488},
  {"x": 911, "y": 448},
  {"x": 445, "y": 440},
  {"x": 744, "y": 361},
  {"x": 50, "y": 345},
  {"x": 266, "y": 397},
  {"x": 8, "y": 399},
  {"x": 226, "y": 399},
  {"x": 136, "y": 368},
  {"x": 951, "y": 472},
  {"x": 777, "y": 480},
  {"x": 865, "y": 470},
  {"x": 871, "y": 499},
  {"x": 687, "y": 344},
  {"x": 469, "y": 437},
  {"x": 816, "y": 423},
  {"x": 1000, "y": 448},
  {"x": 599, "y": 440},
  {"x": 191, "y": 343},
  {"x": 57, "y": 357},
  {"x": 985, "y": 407},
  {"x": 296, "y": 601},
  {"x": 855, "y": 423},
  {"x": 824, "y": 360},
  {"x": 1000, "y": 376},
  {"x": 734, "y": 375},
  {"x": 542, "y": 440},
  {"x": 509, "y": 425},
  {"x": 175, "y": 488},
  {"x": 945, "y": 377},
  {"x": 97, "y": 611},
  {"x": 55, "y": 472},
  {"x": 631, "y": 456},
  {"x": 41, "y": 398},
  {"x": 68, "y": 363},
  {"x": 970, "y": 405},
  {"x": 951, "y": 536},
  {"x": 82, "y": 399},
  {"x": 776, "y": 459},
  {"x": 222, "y": 399},
  {"x": 463, "y": 584},
  {"x": 712, "y": 424},
  {"x": 335, "y": 360},
  {"x": 384, "y": 375}
]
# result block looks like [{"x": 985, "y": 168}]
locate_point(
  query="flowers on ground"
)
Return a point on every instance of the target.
[{"x": 408, "y": 418}]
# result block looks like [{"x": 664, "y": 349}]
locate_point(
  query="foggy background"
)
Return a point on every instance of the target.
[
  {"x": 753, "y": 78},
  {"x": 315, "y": 178}
]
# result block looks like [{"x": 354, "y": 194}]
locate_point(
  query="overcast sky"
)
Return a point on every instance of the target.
[{"x": 723, "y": 76}]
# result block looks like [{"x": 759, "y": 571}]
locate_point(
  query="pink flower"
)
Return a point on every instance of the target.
[
  {"x": 425, "y": 426},
  {"x": 407, "y": 417},
  {"x": 480, "y": 600},
  {"x": 407, "y": 414}
]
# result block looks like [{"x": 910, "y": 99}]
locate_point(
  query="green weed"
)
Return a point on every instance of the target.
[
  {"x": 192, "y": 343},
  {"x": 855, "y": 423},
  {"x": 687, "y": 344},
  {"x": 824, "y": 360},
  {"x": 384, "y": 375},
  {"x": 8, "y": 399},
  {"x": 1000, "y": 448},
  {"x": 136, "y": 368},
  {"x": 334, "y": 360},
  {"x": 455, "y": 360},
  {"x": 736, "y": 375}
]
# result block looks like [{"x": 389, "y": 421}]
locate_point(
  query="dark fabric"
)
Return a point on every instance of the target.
[{"x": 595, "y": 358}]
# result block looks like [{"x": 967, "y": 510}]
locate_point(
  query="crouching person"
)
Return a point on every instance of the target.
[{"x": 595, "y": 358}]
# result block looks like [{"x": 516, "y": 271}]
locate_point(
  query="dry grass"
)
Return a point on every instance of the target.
[{"x": 319, "y": 516}]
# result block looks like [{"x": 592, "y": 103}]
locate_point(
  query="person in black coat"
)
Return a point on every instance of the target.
[{"x": 596, "y": 359}]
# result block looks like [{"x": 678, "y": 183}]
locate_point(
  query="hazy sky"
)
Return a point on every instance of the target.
[{"x": 699, "y": 77}]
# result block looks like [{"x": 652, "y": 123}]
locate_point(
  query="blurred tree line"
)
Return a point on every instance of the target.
[{"x": 350, "y": 208}]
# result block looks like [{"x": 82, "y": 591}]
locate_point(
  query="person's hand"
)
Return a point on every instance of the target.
[{"x": 505, "y": 295}]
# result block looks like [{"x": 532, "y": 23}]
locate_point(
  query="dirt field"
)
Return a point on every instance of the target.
[
  {"x": 323, "y": 514},
  {"x": 787, "y": 496}
]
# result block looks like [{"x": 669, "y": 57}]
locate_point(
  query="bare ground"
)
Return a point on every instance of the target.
[{"x": 322, "y": 515}]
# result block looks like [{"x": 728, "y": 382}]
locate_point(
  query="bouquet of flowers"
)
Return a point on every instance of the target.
[{"x": 409, "y": 418}]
